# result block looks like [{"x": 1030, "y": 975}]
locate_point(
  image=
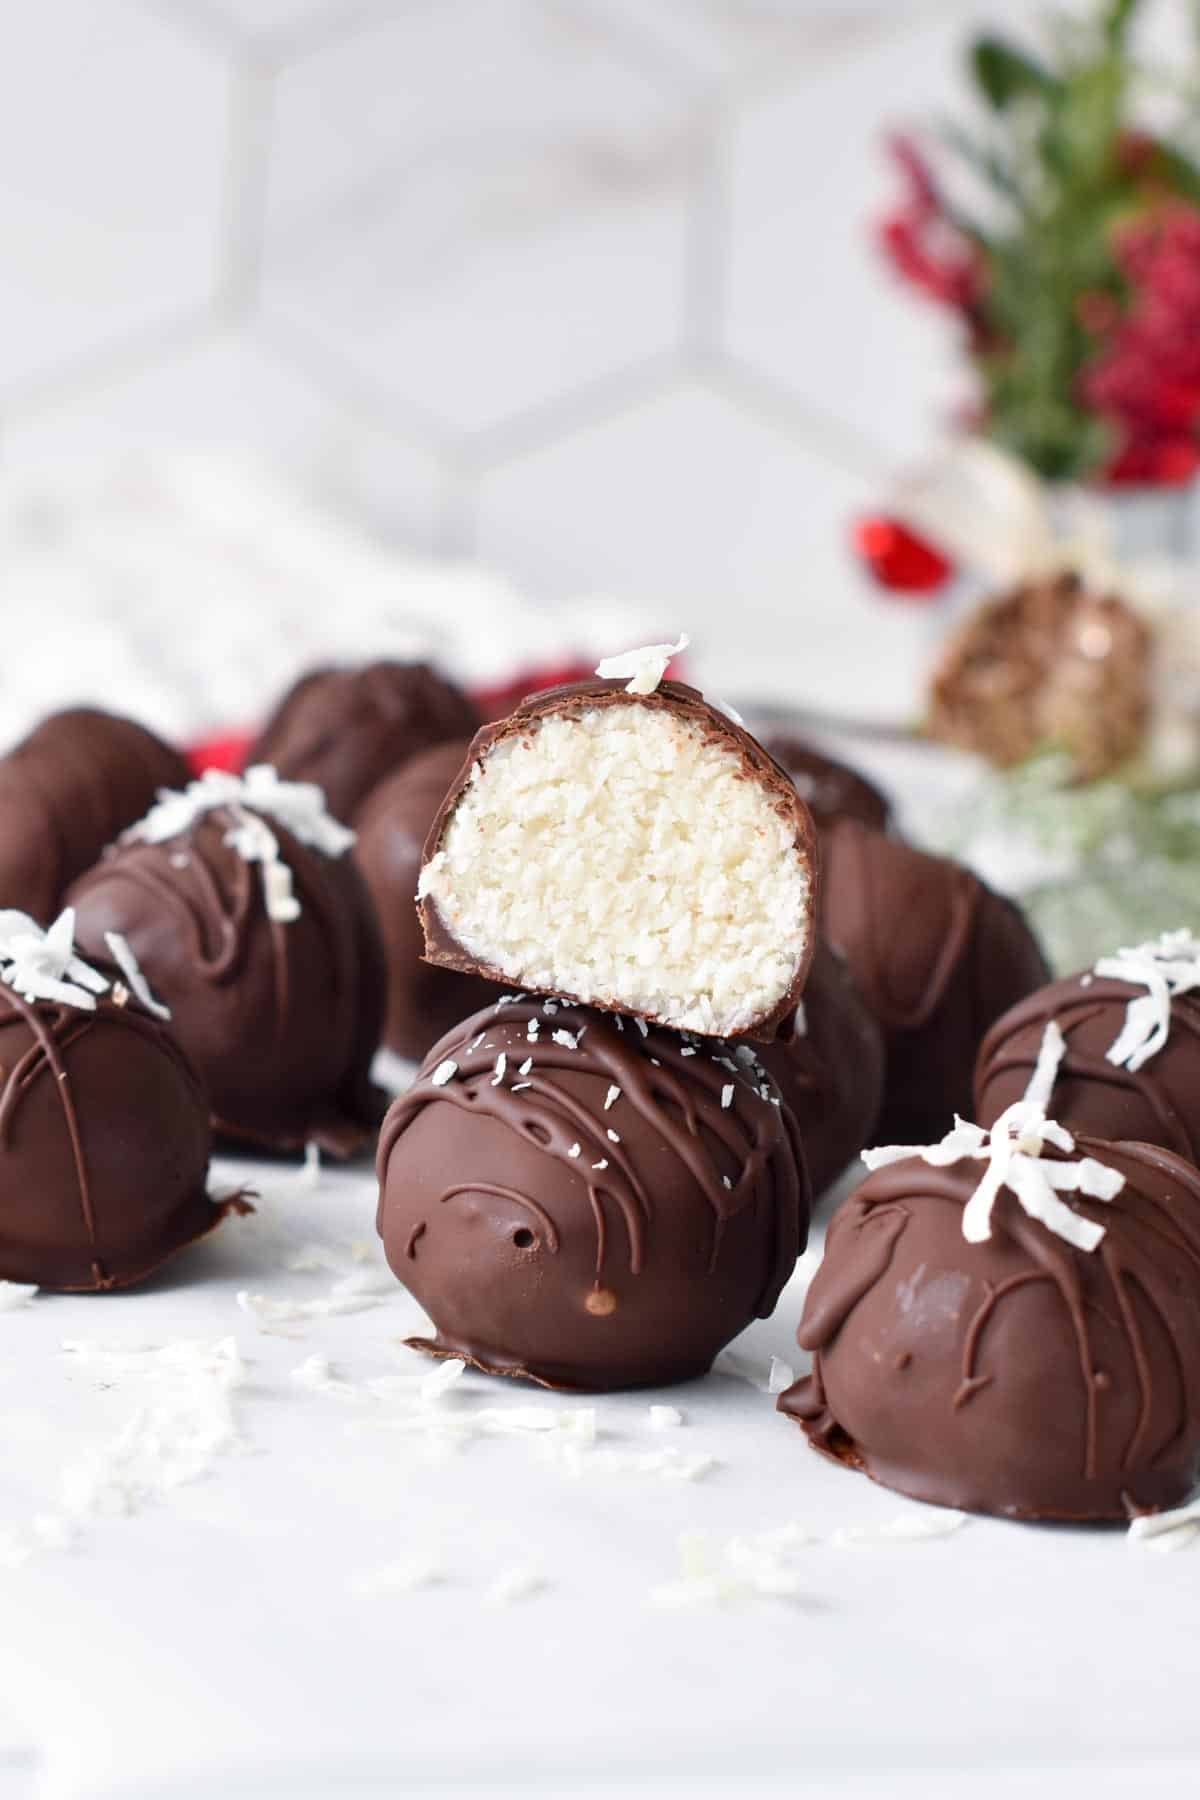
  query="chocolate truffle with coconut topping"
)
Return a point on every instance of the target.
[
  {"x": 66, "y": 790},
  {"x": 346, "y": 729},
  {"x": 251, "y": 922},
  {"x": 1132, "y": 1030},
  {"x": 423, "y": 1001},
  {"x": 829, "y": 1069},
  {"x": 104, "y": 1132},
  {"x": 588, "y": 1201},
  {"x": 936, "y": 955},
  {"x": 635, "y": 850},
  {"x": 1010, "y": 1323}
]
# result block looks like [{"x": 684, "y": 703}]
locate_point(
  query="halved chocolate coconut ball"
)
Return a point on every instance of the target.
[
  {"x": 104, "y": 1129},
  {"x": 253, "y": 925},
  {"x": 66, "y": 790},
  {"x": 588, "y": 1201},
  {"x": 346, "y": 729},
  {"x": 638, "y": 851}
]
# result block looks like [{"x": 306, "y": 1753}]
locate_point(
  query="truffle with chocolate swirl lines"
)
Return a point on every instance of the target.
[
  {"x": 936, "y": 955},
  {"x": 1021, "y": 1375},
  {"x": 593, "y": 1203},
  {"x": 1157, "y": 1103},
  {"x": 104, "y": 1144},
  {"x": 279, "y": 1014}
]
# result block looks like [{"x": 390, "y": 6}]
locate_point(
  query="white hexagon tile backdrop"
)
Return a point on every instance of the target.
[{"x": 582, "y": 291}]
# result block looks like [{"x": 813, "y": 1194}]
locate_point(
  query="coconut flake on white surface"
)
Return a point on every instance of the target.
[
  {"x": 1166, "y": 1531},
  {"x": 283, "y": 1317},
  {"x": 519, "y": 1581},
  {"x": 905, "y": 1528},
  {"x": 183, "y": 1420},
  {"x": 416, "y": 1569},
  {"x": 1012, "y": 1150},
  {"x": 664, "y": 1418},
  {"x": 15, "y": 1294},
  {"x": 780, "y": 1377},
  {"x": 743, "y": 1568},
  {"x": 435, "y": 1385},
  {"x": 1166, "y": 967}
]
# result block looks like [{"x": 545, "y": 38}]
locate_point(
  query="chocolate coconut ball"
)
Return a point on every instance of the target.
[
  {"x": 588, "y": 1202},
  {"x": 936, "y": 955},
  {"x": 830, "y": 789},
  {"x": 104, "y": 1130},
  {"x": 830, "y": 1069},
  {"x": 1132, "y": 1085},
  {"x": 66, "y": 791},
  {"x": 346, "y": 729},
  {"x": 1021, "y": 1375},
  {"x": 632, "y": 849},
  {"x": 252, "y": 924},
  {"x": 423, "y": 1001}
]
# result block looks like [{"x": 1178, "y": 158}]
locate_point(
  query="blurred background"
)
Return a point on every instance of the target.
[{"x": 586, "y": 294}]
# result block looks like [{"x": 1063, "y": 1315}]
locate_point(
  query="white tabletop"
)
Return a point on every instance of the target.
[{"x": 255, "y": 1630}]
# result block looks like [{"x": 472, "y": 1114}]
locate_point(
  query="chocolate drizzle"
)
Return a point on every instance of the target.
[
  {"x": 1123, "y": 1434},
  {"x": 1156, "y": 1104},
  {"x": 665, "y": 1148},
  {"x": 679, "y": 1098}
]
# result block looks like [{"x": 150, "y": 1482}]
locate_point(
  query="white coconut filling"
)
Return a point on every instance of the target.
[{"x": 623, "y": 856}]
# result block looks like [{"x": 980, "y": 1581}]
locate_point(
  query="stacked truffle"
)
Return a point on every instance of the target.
[
  {"x": 600, "y": 1187},
  {"x": 1009, "y": 1320}
]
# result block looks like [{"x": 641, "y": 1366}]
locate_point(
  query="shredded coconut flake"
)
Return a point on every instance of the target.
[
  {"x": 14, "y": 1294},
  {"x": 501, "y": 1065},
  {"x": 1166, "y": 1531},
  {"x": 575, "y": 1150},
  {"x": 727, "y": 1093},
  {"x": 1165, "y": 967},
  {"x": 445, "y": 1071},
  {"x": 665, "y": 1418},
  {"x": 127, "y": 962},
  {"x": 1012, "y": 1150},
  {"x": 518, "y": 1582},
  {"x": 567, "y": 1039},
  {"x": 645, "y": 667},
  {"x": 42, "y": 965},
  {"x": 612, "y": 1096}
]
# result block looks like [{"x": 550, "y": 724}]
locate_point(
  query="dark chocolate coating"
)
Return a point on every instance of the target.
[
  {"x": 670, "y": 696},
  {"x": 1157, "y": 1104},
  {"x": 423, "y": 1001},
  {"x": 281, "y": 1019},
  {"x": 830, "y": 789},
  {"x": 104, "y": 1145},
  {"x": 531, "y": 1261},
  {"x": 831, "y": 1072},
  {"x": 346, "y": 729},
  {"x": 936, "y": 955},
  {"x": 1018, "y": 1376},
  {"x": 66, "y": 791}
]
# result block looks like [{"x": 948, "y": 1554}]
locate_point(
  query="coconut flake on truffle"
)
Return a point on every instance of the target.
[
  {"x": 250, "y": 799},
  {"x": 622, "y": 856},
  {"x": 42, "y": 965},
  {"x": 1012, "y": 1150},
  {"x": 645, "y": 667},
  {"x": 1166, "y": 967}
]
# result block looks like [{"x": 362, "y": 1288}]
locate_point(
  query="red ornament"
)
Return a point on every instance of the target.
[
  {"x": 899, "y": 560},
  {"x": 224, "y": 750}
]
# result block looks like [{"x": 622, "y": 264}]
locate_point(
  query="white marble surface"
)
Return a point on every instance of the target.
[{"x": 580, "y": 287}]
